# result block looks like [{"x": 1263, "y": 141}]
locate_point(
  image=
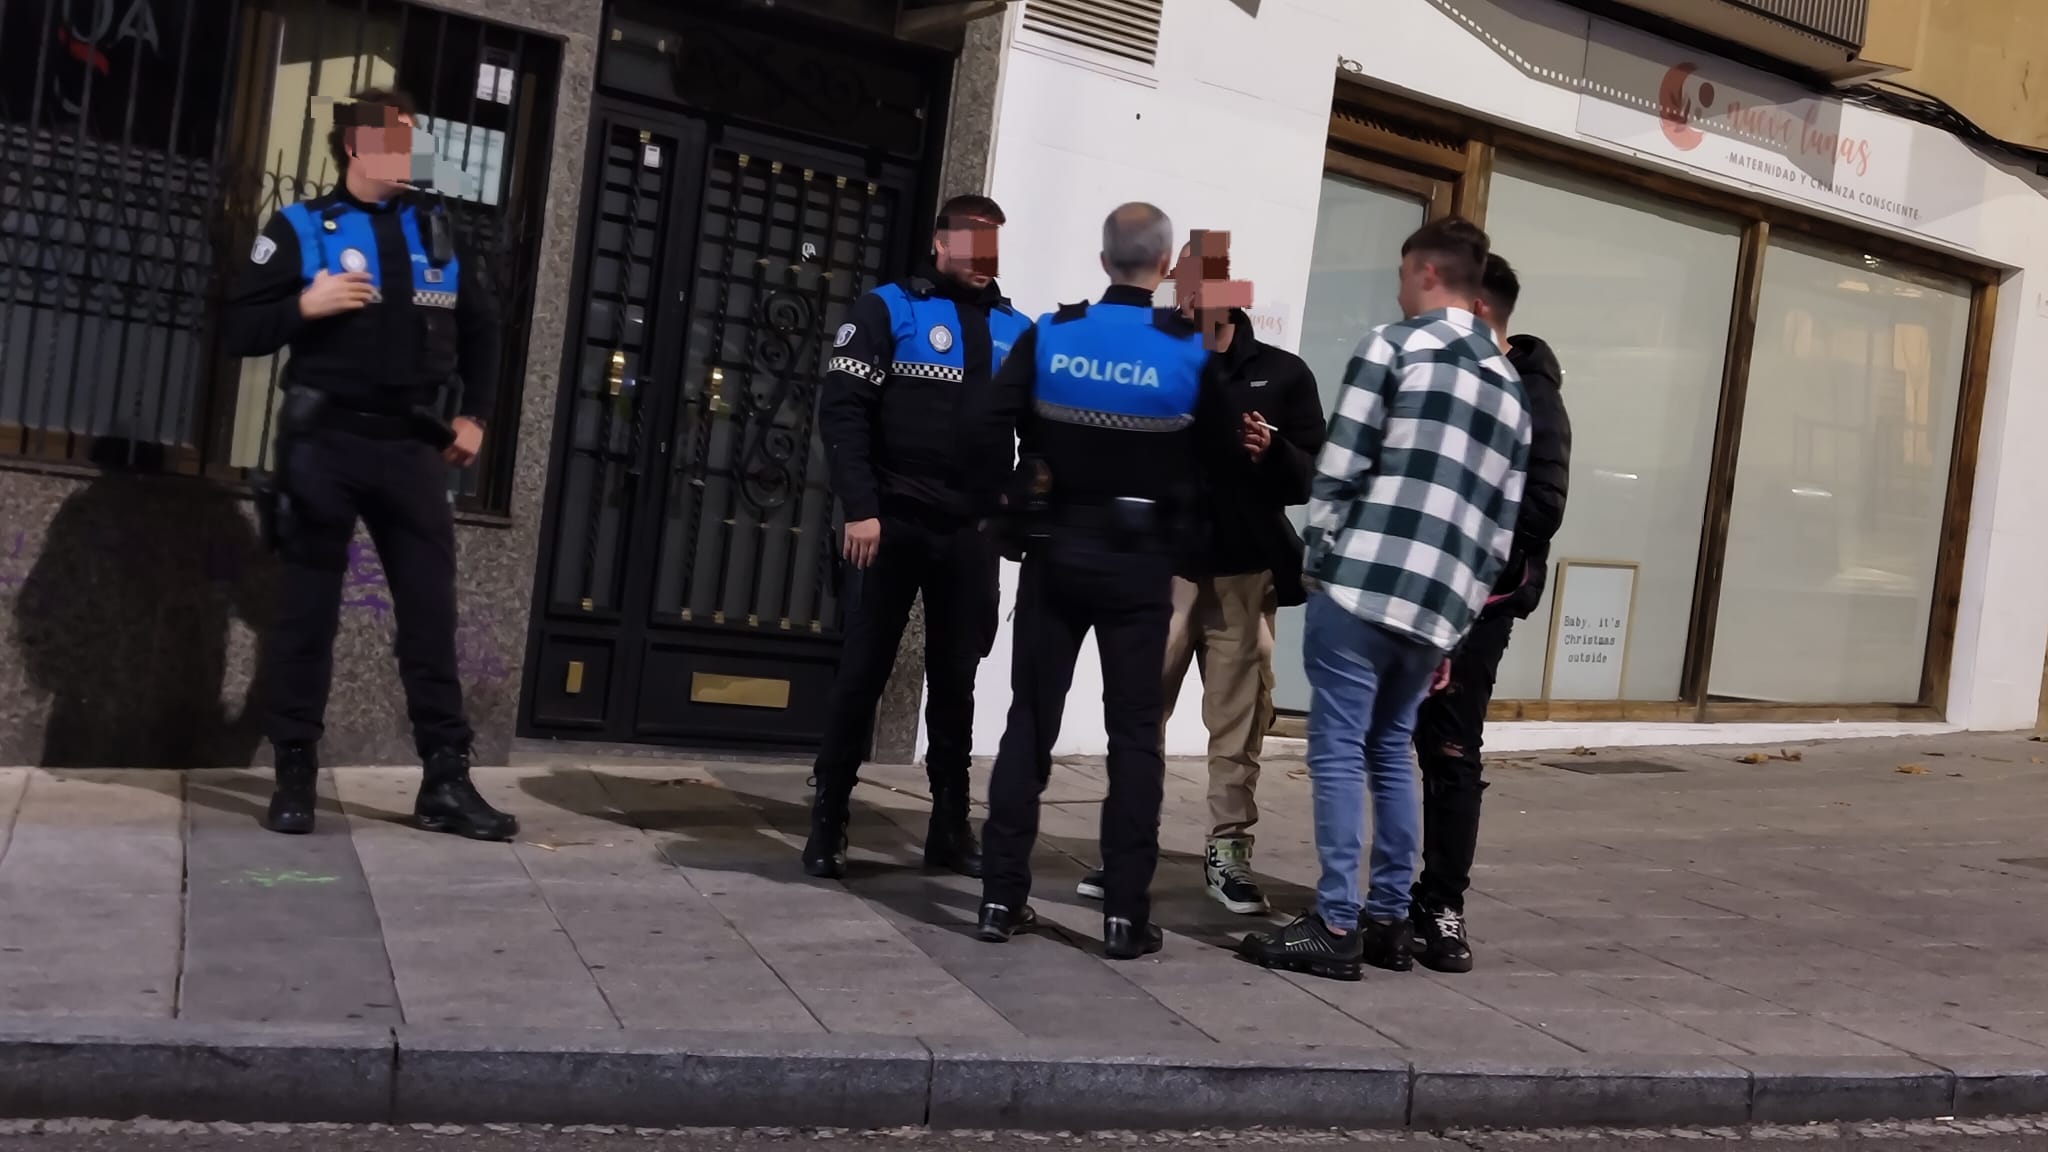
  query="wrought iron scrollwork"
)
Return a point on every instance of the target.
[{"x": 785, "y": 335}]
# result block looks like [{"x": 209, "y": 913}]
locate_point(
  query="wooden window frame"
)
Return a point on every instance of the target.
[{"x": 1448, "y": 158}]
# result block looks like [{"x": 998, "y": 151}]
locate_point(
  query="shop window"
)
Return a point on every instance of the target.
[
  {"x": 1634, "y": 295},
  {"x": 1841, "y": 482}
]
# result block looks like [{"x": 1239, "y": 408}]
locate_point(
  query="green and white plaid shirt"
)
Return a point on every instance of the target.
[{"x": 1417, "y": 488}]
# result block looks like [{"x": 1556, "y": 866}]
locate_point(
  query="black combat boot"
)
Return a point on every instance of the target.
[
  {"x": 298, "y": 790},
  {"x": 825, "y": 851},
  {"x": 949, "y": 843},
  {"x": 449, "y": 802}
]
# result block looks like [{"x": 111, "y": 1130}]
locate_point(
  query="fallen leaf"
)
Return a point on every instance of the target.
[
  {"x": 2038, "y": 760},
  {"x": 1910, "y": 770},
  {"x": 1751, "y": 758},
  {"x": 1582, "y": 750},
  {"x": 1794, "y": 757},
  {"x": 1934, "y": 754},
  {"x": 1955, "y": 775}
]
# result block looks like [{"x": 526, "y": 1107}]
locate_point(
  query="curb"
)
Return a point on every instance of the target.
[{"x": 184, "y": 1070}]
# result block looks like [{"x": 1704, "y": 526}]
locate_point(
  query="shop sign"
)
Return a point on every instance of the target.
[
  {"x": 1665, "y": 100},
  {"x": 1592, "y": 609}
]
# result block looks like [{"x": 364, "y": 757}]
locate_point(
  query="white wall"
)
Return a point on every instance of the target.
[{"x": 1228, "y": 131}]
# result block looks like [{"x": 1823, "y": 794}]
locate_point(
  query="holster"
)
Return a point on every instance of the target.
[
  {"x": 1027, "y": 505},
  {"x": 277, "y": 515}
]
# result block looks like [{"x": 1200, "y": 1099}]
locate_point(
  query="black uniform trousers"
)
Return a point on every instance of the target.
[
  {"x": 399, "y": 489},
  {"x": 1071, "y": 584},
  {"x": 1448, "y": 736},
  {"x": 954, "y": 564}
]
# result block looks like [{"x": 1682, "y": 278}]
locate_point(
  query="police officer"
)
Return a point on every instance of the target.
[
  {"x": 382, "y": 313},
  {"x": 1105, "y": 399},
  {"x": 890, "y": 411}
]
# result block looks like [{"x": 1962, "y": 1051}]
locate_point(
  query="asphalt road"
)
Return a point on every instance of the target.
[{"x": 149, "y": 1136}]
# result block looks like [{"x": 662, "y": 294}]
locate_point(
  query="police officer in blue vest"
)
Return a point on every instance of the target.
[
  {"x": 903, "y": 370},
  {"x": 1113, "y": 427},
  {"x": 383, "y": 316}
]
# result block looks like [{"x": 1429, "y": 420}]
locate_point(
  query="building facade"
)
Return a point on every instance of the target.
[
  {"x": 1801, "y": 331},
  {"x": 662, "y": 195},
  {"x": 1798, "y": 326}
]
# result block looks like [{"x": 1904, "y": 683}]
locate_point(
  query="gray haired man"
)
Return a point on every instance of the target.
[{"x": 1105, "y": 399}]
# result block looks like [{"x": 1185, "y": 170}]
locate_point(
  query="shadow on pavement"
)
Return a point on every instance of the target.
[{"x": 739, "y": 823}]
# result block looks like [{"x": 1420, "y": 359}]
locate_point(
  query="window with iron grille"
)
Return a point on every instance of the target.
[
  {"x": 143, "y": 144},
  {"x": 1124, "y": 28}
]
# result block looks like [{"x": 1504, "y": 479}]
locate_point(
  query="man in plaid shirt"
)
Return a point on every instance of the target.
[{"x": 1413, "y": 509}]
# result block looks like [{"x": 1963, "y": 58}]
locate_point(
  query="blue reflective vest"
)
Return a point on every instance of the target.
[
  {"x": 925, "y": 331},
  {"x": 338, "y": 238},
  {"x": 1111, "y": 365}
]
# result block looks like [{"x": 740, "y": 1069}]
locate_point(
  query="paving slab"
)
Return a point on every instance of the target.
[{"x": 278, "y": 928}]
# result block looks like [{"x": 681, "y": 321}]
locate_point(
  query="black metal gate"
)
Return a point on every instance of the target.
[{"x": 690, "y": 579}]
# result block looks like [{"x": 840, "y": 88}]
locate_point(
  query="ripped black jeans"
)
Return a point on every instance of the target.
[{"x": 1448, "y": 736}]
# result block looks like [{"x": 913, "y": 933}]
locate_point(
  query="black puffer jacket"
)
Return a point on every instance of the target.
[{"x": 1520, "y": 587}]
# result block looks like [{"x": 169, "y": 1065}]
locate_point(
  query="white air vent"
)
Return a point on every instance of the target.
[{"x": 1126, "y": 28}]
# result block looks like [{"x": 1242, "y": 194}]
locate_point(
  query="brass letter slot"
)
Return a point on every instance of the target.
[
  {"x": 574, "y": 684},
  {"x": 744, "y": 691}
]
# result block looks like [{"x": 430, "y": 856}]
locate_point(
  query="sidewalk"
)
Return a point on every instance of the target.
[{"x": 1705, "y": 942}]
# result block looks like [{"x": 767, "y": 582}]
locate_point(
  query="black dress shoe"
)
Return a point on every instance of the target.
[
  {"x": 449, "y": 802},
  {"x": 1123, "y": 940},
  {"x": 999, "y": 923},
  {"x": 298, "y": 790},
  {"x": 949, "y": 843},
  {"x": 825, "y": 851}
]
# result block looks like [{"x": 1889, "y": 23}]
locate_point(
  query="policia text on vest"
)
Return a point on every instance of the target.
[
  {"x": 1113, "y": 426},
  {"x": 382, "y": 315}
]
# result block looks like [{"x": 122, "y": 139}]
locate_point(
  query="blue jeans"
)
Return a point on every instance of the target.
[{"x": 1367, "y": 683}]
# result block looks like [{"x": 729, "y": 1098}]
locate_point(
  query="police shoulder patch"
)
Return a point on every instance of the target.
[
  {"x": 263, "y": 250},
  {"x": 845, "y": 336},
  {"x": 941, "y": 338}
]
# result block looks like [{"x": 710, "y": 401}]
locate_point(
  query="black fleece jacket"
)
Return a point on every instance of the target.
[
  {"x": 1245, "y": 502},
  {"x": 1520, "y": 587}
]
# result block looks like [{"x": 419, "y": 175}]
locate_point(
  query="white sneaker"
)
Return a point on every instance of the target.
[{"x": 1229, "y": 872}]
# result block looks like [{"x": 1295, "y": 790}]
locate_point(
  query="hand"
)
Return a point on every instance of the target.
[
  {"x": 863, "y": 540},
  {"x": 1442, "y": 679},
  {"x": 1256, "y": 438},
  {"x": 331, "y": 295},
  {"x": 469, "y": 440}
]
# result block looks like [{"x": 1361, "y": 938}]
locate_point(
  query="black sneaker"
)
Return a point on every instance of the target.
[
  {"x": 298, "y": 790},
  {"x": 1388, "y": 944},
  {"x": 1309, "y": 947},
  {"x": 1441, "y": 934},
  {"x": 449, "y": 802},
  {"x": 1229, "y": 872},
  {"x": 1091, "y": 886}
]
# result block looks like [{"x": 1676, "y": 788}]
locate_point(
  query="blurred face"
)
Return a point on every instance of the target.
[
  {"x": 968, "y": 252},
  {"x": 381, "y": 155},
  {"x": 1203, "y": 291}
]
